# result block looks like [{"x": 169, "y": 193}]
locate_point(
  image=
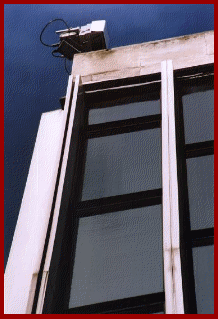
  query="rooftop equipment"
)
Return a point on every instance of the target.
[{"x": 91, "y": 37}]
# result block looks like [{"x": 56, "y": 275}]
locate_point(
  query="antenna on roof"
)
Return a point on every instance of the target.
[{"x": 91, "y": 37}]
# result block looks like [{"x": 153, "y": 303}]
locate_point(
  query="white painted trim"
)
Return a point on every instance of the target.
[
  {"x": 41, "y": 297},
  {"x": 168, "y": 275},
  {"x": 31, "y": 293},
  {"x": 62, "y": 175},
  {"x": 174, "y": 204},
  {"x": 60, "y": 188},
  {"x": 29, "y": 237}
]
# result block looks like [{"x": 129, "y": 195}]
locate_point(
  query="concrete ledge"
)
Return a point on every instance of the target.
[
  {"x": 145, "y": 58},
  {"x": 191, "y": 61},
  {"x": 209, "y": 38},
  {"x": 128, "y": 72}
]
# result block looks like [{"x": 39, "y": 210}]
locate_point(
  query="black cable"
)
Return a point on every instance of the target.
[
  {"x": 65, "y": 66},
  {"x": 65, "y": 61},
  {"x": 56, "y": 44},
  {"x": 57, "y": 56}
]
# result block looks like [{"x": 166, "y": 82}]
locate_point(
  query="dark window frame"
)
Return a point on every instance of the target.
[
  {"x": 64, "y": 256},
  {"x": 183, "y": 79},
  {"x": 55, "y": 302}
]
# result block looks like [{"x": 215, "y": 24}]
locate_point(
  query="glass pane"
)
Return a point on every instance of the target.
[
  {"x": 203, "y": 259},
  {"x": 198, "y": 108},
  {"x": 200, "y": 171},
  {"x": 122, "y": 164},
  {"x": 123, "y": 112},
  {"x": 141, "y": 310},
  {"x": 159, "y": 313},
  {"x": 118, "y": 255}
]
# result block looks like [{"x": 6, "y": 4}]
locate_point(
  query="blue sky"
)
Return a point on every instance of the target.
[{"x": 34, "y": 80}]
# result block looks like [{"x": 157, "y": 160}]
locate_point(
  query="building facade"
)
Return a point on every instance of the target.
[{"x": 117, "y": 213}]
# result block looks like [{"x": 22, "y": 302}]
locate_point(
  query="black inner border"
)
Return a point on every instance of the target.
[
  {"x": 184, "y": 81},
  {"x": 59, "y": 283}
]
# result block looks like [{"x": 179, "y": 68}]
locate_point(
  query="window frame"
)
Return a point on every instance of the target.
[
  {"x": 189, "y": 238},
  {"x": 49, "y": 283},
  {"x": 121, "y": 202}
]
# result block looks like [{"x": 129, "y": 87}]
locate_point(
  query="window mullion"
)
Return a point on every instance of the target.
[
  {"x": 167, "y": 246},
  {"x": 174, "y": 205}
]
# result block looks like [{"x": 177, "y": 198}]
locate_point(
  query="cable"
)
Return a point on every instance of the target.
[
  {"x": 56, "y": 44},
  {"x": 65, "y": 66},
  {"x": 56, "y": 56},
  {"x": 65, "y": 61}
]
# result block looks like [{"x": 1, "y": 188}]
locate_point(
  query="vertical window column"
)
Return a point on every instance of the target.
[
  {"x": 171, "y": 240},
  {"x": 167, "y": 249},
  {"x": 174, "y": 200}
]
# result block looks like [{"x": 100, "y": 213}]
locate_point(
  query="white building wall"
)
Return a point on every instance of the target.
[
  {"x": 135, "y": 60},
  {"x": 29, "y": 238},
  {"x": 145, "y": 58}
]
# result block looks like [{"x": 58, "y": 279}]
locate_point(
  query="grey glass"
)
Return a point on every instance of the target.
[
  {"x": 141, "y": 310},
  {"x": 200, "y": 171},
  {"x": 122, "y": 164},
  {"x": 118, "y": 255},
  {"x": 123, "y": 112},
  {"x": 203, "y": 259},
  {"x": 198, "y": 109}
]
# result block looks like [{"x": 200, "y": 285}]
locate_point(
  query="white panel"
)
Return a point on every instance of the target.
[
  {"x": 168, "y": 278},
  {"x": 100, "y": 26},
  {"x": 174, "y": 204},
  {"x": 28, "y": 242}
]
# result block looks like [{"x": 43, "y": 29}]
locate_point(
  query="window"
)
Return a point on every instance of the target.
[
  {"x": 135, "y": 231},
  {"x": 195, "y": 149},
  {"x": 111, "y": 260}
]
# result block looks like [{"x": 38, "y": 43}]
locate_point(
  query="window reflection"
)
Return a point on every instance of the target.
[
  {"x": 203, "y": 259},
  {"x": 200, "y": 171},
  {"x": 118, "y": 255},
  {"x": 122, "y": 164},
  {"x": 198, "y": 110},
  {"x": 123, "y": 112}
]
